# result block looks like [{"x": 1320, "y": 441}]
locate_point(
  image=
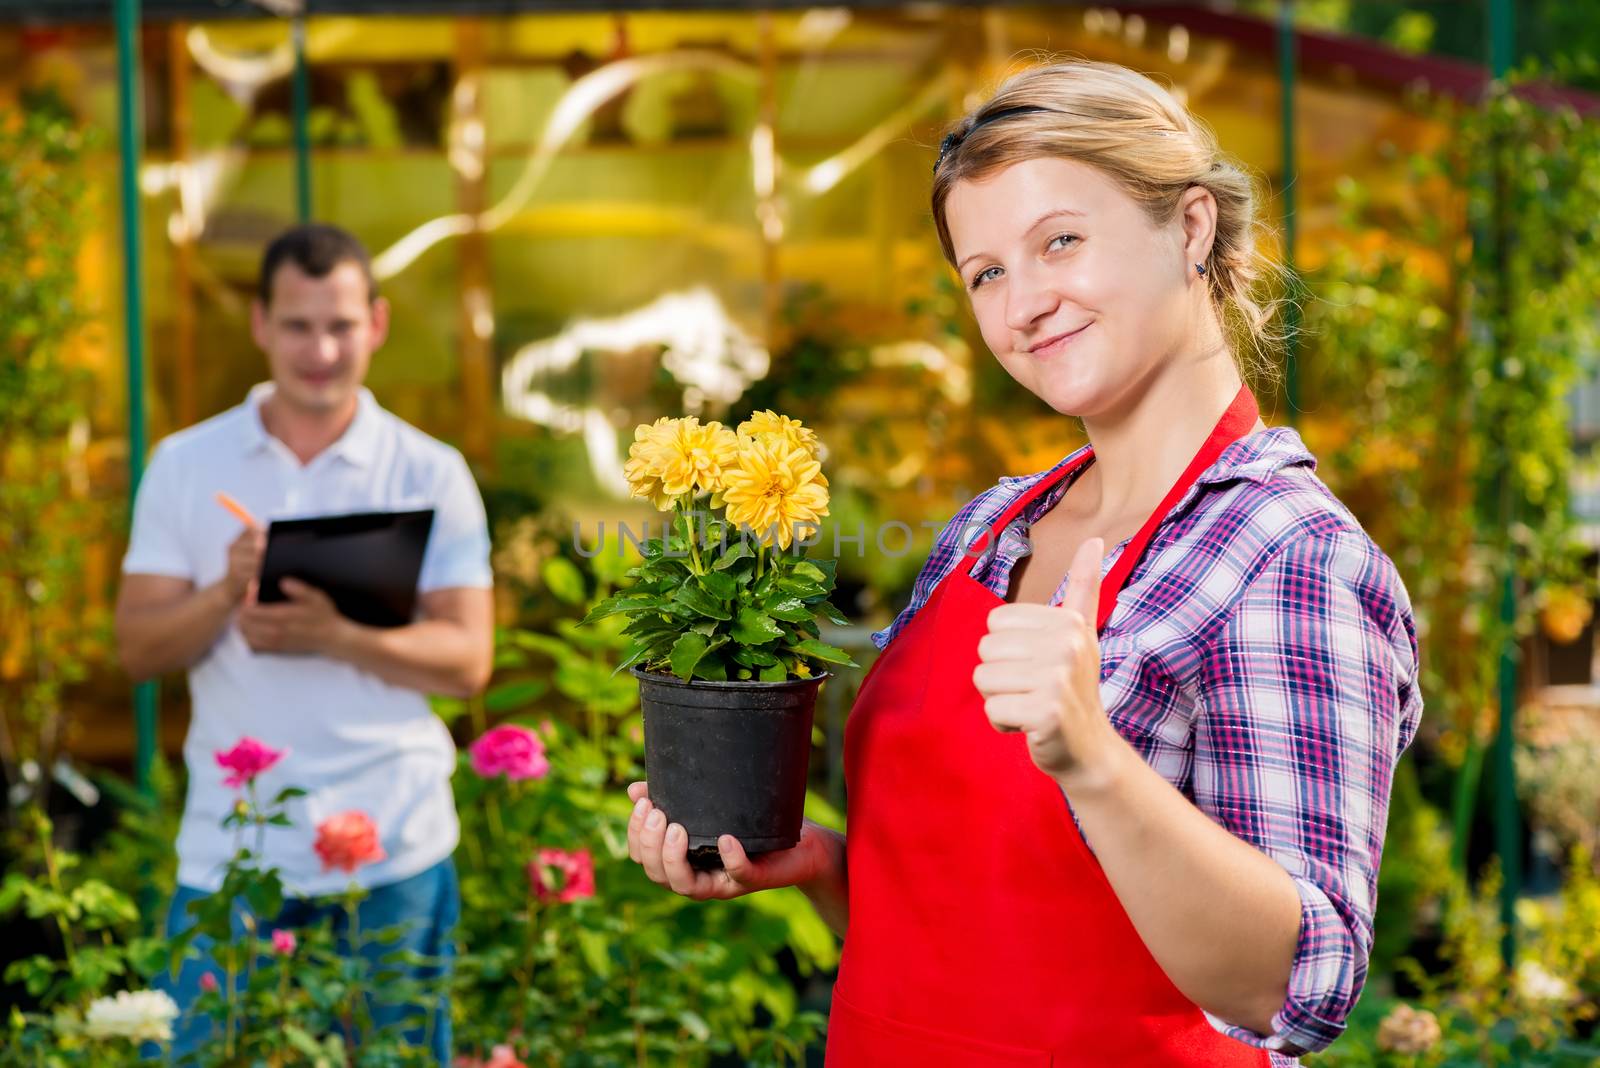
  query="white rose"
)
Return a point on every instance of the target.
[
  {"x": 1536, "y": 984},
  {"x": 144, "y": 1016}
]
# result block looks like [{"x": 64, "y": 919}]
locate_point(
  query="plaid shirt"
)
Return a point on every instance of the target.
[{"x": 1263, "y": 659}]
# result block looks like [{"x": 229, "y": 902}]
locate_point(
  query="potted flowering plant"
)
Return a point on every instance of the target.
[{"x": 723, "y": 621}]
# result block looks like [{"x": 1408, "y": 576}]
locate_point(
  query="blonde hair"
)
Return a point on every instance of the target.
[{"x": 1133, "y": 130}]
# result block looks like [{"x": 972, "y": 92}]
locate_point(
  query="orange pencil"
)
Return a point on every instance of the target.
[{"x": 240, "y": 512}]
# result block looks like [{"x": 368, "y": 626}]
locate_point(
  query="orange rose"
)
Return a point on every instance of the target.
[{"x": 348, "y": 841}]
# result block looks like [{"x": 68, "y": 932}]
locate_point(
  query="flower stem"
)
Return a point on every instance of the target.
[
  {"x": 689, "y": 536},
  {"x": 260, "y": 821},
  {"x": 496, "y": 826},
  {"x": 42, "y": 825},
  {"x": 352, "y": 901},
  {"x": 283, "y": 1006}
]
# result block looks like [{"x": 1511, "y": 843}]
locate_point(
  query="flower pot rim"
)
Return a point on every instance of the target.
[{"x": 732, "y": 684}]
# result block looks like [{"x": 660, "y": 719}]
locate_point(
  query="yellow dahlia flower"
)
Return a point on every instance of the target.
[
  {"x": 773, "y": 487},
  {"x": 764, "y": 424},
  {"x": 693, "y": 458},
  {"x": 672, "y": 458},
  {"x": 643, "y": 469}
]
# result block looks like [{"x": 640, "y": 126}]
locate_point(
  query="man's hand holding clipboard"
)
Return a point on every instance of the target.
[{"x": 318, "y": 578}]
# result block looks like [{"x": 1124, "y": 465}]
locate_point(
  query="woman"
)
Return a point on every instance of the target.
[{"x": 1130, "y": 816}]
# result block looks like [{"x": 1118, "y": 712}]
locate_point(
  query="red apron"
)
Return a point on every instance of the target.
[{"x": 983, "y": 933}]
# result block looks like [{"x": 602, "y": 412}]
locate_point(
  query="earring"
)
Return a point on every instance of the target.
[{"x": 1200, "y": 269}]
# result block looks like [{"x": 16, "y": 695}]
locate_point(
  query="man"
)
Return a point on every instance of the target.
[{"x": 346, "y": 700}]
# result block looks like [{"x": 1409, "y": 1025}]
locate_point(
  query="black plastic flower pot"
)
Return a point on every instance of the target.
[{"x": 728, "y": 758}]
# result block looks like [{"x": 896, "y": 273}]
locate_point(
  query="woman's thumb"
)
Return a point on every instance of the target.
[{"x": 735, "y": 861}]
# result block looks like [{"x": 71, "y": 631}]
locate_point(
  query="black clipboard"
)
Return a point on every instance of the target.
[{"x": 368, "y": 562}]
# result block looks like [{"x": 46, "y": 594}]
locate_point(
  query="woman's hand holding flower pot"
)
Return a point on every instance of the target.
[{"x": 662, "y": 849}]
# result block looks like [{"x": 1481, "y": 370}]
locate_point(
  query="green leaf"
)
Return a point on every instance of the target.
[
  {"x": 651, "y": 625},
  {"x": 712, "y": 670},
  {"x": 792, "y": 609},
  {"x": 515, "y": 694},
  {"x": 593, "y": 684},
  {"x": 693, "y": 1023},
  {"x": 698, "y": 601},
  {"x": 686, "y": 653},
  {"x": 303, "y": 1043},
  {"x": 739, "y": 550},
  {"x": 102, "y": 906},
  {"x": 800, "y": 587},
  {"x": 755, "y": 627},
  {"x": 629, "y": 602},
  {"x": 719, "y": 584},
  {"x": 755, "y": 658},
  {"x": 829, "y": 568},
  {"x": 595, "y": 946},
  {"x": 806, "y": 569},
  {"x": 642, "y": 652},
  {"x": 819, "y": 650},
  {"x": 563, "y": 579},
  {"x": 774, "y": 672},
  {"x": 832, "y": 614}
]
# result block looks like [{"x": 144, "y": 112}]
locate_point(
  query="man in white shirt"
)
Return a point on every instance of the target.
[{"x": 344, "y": 699}]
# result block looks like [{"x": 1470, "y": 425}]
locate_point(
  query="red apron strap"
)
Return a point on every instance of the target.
[
  {"x": 1234, "y": 424},
  {"x": 972, "y": 554}
]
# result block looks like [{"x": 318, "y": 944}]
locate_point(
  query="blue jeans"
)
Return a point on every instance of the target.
[{"x": 428, "y": 904}]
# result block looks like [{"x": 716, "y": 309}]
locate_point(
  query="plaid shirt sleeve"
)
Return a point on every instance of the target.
[{"x": 1309, "y": 696}]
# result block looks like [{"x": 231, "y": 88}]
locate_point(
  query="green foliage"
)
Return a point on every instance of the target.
[
  {"x": 706, "y": 605},
  {"x": 1447, "y": 334},
  {"x": 1446, "y": 339},
  {"x": 628, "y": 974},
  {"x": 98, "y": 951},
  {"x": 632, "y": 974},
  {"x": 1537, "y": 1018},
  {"x": 47, "y": 634},
  {"x": 84, "y": 912},
  {"x": 313, "y": 1005}
]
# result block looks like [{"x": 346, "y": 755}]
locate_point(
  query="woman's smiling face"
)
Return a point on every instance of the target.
[{"x": 1080, "y": 296}]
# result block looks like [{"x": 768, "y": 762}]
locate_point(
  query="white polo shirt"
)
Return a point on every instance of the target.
[{"x": 354, "y": 741}]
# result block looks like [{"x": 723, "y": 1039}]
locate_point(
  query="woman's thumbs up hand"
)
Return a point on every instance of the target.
[{"x": 1039, "y": 672}]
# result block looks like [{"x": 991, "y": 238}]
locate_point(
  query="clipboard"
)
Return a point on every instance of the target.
[{"x": 367, "y": 562}]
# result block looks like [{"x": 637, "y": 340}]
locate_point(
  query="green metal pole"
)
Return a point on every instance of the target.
[
  {"x": 301, "y": 95},
  {"x": 1507, "y": 829},
  {"x": 132, "y": 140},
  {"x": 1290, "y": 170}
]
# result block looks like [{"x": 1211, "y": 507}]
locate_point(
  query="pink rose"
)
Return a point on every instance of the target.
[
  {"x": 502, "y": 1056},
  {"x": 509, "y": 750},
  {"x": 208, "y": 983},
  {"x": 561, "y": 877},
  {"x": 246, "y": 760},
  {"x": 348, "y": 841},
  {"x": 283, "y": 942}
]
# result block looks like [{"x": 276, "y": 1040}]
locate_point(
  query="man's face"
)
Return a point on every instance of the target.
[{"x": 319, "y": 335}]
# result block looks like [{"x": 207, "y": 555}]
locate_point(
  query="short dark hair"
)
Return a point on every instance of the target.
[{"x": 315, "y": 248}]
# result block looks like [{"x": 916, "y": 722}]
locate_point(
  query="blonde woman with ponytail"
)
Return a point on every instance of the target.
[{"x": 1111, "y": 808}]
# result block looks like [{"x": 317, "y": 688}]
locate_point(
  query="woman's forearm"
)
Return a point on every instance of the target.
[
  {"x": 1221, "y": 917},
  {"x": 829, "y": 889}
]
